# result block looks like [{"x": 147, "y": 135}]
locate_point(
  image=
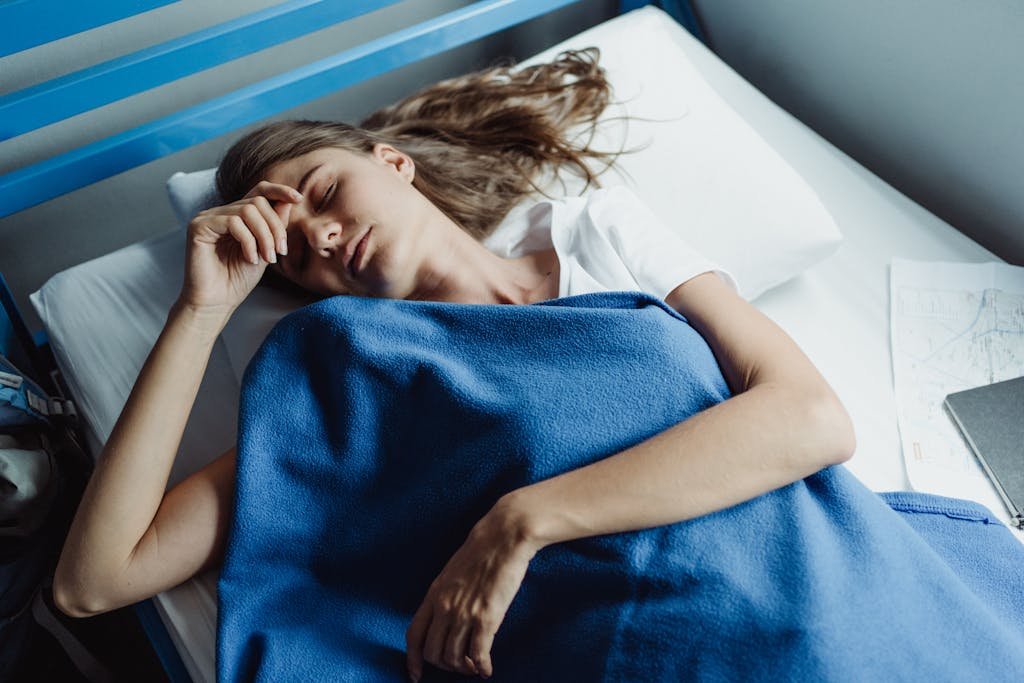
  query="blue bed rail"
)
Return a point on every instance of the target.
[
  {"x": 679, "y": 10},
  {"x": 55, "y": 100},
  {"x": 64, "y": 173},
  {"x": 22, "y": 27},
  {"x": 60, "y": 98},
  {"x": 28, "y": 23}
]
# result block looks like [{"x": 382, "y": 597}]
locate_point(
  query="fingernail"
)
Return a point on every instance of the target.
[
  {"x": 255, "y": 260},
  {"x": 282, "y": 246},
  {"x": 296, "y": 194}
]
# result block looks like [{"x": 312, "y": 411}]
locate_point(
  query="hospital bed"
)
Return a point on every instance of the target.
[{"x": 810, "y": 236}]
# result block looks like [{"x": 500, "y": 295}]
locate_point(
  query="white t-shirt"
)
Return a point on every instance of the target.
[{"x": 608, "y": 240}]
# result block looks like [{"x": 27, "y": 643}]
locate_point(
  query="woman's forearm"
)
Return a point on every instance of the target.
[
  {"x": 757, "y": 441},
  {"x": 128, "y": 483}
]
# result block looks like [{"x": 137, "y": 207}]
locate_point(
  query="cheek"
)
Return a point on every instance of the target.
[
  {"x": 392, "y": 268},
  {"x": 388, "y": 257},
  {"x": 326, "y": 282}
]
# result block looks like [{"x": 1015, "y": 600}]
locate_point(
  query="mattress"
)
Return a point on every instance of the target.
[{"x": 836, "y": 311}]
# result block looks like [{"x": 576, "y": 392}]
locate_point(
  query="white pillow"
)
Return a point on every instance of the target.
[
  {"x": 191, "y": 193},
  {"x": 703, "y": 169}
]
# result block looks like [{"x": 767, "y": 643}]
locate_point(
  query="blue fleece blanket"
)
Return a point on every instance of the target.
[{"x": 374, "y": 434}]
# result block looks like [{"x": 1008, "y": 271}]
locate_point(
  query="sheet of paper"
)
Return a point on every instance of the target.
[{"x": 954, "y": 326}]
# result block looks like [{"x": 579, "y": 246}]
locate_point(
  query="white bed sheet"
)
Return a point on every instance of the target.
[{"x": 836, "y": 311}]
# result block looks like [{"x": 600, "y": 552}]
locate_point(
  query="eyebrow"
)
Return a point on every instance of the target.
[{"x": 302, "y": 183}]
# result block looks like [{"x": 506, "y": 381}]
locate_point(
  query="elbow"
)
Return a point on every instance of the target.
[
  {"x": 72, "y": 605},
  {"x": 75, "y": 599},
  {"x": 836, "y": 437}
]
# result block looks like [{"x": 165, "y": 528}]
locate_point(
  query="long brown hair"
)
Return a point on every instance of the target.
[{"x": 479, "y": 142}]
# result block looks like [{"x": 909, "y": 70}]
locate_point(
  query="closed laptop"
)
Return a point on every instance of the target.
[{"x": 991, "y": 419}]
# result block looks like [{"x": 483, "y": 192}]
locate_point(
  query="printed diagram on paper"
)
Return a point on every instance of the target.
[{"x": 954, "y": 326}]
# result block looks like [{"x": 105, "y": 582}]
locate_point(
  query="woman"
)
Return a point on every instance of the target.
[{"x": 397, "y": 211}]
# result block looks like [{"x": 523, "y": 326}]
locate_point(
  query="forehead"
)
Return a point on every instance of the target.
[{"x": 290, "y": 172}]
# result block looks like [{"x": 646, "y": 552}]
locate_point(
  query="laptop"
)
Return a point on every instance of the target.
[{"x": 991, "y": 420}]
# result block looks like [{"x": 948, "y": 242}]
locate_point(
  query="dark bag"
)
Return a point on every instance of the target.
[{"x": 43, "y": 471}]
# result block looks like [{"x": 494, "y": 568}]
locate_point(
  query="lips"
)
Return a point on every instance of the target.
[{"x": 355, "y": 259}]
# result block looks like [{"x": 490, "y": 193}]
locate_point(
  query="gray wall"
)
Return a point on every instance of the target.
[
  {"x": 95, "y": 220},
  {"x": 928, "y": 94}
]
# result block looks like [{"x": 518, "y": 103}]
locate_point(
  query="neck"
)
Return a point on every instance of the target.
[{"x": 465, "y": 271}]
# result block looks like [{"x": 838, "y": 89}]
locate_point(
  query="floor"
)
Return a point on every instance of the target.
[{"x": 115, "y": 639}]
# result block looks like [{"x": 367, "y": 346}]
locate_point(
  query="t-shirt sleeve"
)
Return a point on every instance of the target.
[{"x": 658, "y": 258}]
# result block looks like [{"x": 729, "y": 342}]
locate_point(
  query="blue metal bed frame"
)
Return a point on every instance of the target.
[{"x": 55, "y": 100}]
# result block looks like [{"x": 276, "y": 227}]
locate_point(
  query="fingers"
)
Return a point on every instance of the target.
[
  {"x": 276, "y": 191},
  {"x": 455, "y": 649},
  {"x": 238, "y": 229},
  {"x": 415, "y": 637},
  {"x": 276, "y": 219},
  {"x": 260, "y": 228},
  {"x": 274, "y": 214},
  {"x": 480, "y": 649},
  {"x": 283, "y": 211},
  {"x": 433, "y": 651},
  {"x": 429, "y": 638}
]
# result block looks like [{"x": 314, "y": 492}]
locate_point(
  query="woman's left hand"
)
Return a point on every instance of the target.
[{"x": 455, "y": 626}]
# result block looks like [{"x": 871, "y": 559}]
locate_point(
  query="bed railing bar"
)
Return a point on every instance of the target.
[
  {"x": 161, "y": 640},
  {"x": 630, "y": 5},
  {"x": 56, "y": 176},
  {"x": 680, "y": 10},
  {"x": 8, "y": 331},
  {"x": 28, "y": 23},
  {"x": 55, "y": 100},
  {"x": 683, "y": 13},
  {"x": 13, "y": 328}
]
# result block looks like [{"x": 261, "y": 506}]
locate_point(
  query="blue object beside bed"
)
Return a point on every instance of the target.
[{"x": 375, "y": 433}]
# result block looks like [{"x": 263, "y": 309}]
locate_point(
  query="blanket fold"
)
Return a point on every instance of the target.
[{"x": 373, "y": 435}]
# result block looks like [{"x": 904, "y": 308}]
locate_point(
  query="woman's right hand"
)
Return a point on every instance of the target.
[{"x": 230, "y": 246}]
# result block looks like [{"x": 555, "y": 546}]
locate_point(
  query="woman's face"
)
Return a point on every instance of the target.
[{"x": 347, "y": 197}]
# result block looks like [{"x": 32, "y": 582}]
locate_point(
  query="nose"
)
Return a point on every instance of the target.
[{"x": 322, "y": 233}]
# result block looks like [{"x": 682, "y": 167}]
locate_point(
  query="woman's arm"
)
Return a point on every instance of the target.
[
  {"x": 782, "y": 424},
  {"x": 96, "y": 570},
  {"x": 128, "y": 540}
]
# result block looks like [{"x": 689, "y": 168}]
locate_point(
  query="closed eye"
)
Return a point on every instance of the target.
[{"x": 326, "y": 197}]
